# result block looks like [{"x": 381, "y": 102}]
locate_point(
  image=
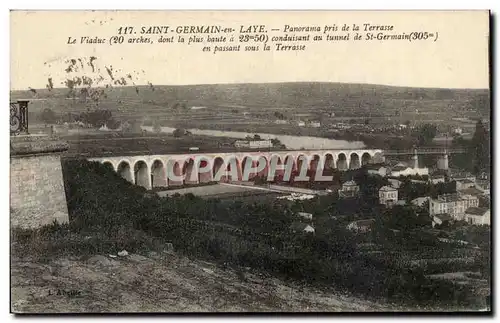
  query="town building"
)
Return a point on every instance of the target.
[
  {"x": 315, "y": 124},
  {"x": 453, "y": 204},
  {"x": 104, "y": 128},
  {"x": 435, "y": 179},
  {"x": 253, "y": 144},
  {"x": 361, "y": 226},
  {"x": 469, "y": 200},
  {"x": 340, "y": 126},
  {"x": 394, "y": 183},
  {"x": 279, "y": 121},
  {"x": 463, "y": 184},
  {"x": 302, "y": 227},
  {"x": 305, "y": 215},
  {"x": 401, "y": 170},
  {"x": 471, "y": 191},
  {"x": 484, "y": 176},
  {"x": 296, "y": 197},
  {"x": 349, "y": 189},
  {"x": 377, "y": 169},
  {"x": 483, "y": 185},
  {"x": 388, "y": 195},
  {"x": 478, "y": 216},
  {"x": 301, "y": 123},
  {"x": 439, "y": 219},
  {"x": 420, "y": 201},
  {"x": 457, "y": 175}
]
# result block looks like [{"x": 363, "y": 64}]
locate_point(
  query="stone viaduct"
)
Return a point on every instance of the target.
[{"x": 166, "y": 170}]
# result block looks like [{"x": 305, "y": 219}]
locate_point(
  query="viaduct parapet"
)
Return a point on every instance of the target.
[{"x": 152, "y": 170}]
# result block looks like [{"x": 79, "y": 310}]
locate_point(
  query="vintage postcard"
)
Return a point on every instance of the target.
[{"x": 250, "y": 161}]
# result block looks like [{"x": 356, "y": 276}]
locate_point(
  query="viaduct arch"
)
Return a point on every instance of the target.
[{"x": 152, "y": 171}]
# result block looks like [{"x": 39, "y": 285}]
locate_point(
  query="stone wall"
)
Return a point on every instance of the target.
[{"x": 37, "y": 195}]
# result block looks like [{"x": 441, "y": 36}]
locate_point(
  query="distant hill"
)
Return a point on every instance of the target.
[{"x": 308, "y": 96}]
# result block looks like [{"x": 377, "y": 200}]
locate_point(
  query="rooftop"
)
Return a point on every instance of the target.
[
  {"x": 437, "y": 173},
  {"x": 471, "y": 191},
  {"x": 350, "y": 183},
  {"x": 465, "y": 196},
  {"x": 387, "y": 189},
  {"x": 401, "y": 164},
  {"x": 484, "y": 183},
  {"x": 394, "y": 182},
  {"x": 460, "y": 174},
  {"x": 298, "y": 226},
  {"x": 452, "y": 197},
  {"x": 477, "y": 210}
]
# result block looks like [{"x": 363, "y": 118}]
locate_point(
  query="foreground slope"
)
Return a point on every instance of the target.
[{"x": 162, "y": 283}]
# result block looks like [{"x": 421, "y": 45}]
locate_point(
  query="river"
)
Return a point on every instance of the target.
[{"x": 291, "y": 142}]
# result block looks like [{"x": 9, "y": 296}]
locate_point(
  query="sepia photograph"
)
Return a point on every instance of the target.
[{"x": 250, "y": 161}]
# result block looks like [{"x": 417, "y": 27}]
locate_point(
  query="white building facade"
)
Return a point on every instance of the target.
[
  {"x": 387, "y": 195},
  {"x": 409, "y": 171},
  {"x": 478, "y": 216},
  {"x": 349, "y": 189},
  {"x": 453, "y": 204},
  {"x": 253, "y": 144}
]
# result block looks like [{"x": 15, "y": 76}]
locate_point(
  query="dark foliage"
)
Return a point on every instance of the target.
[
  {"x": 48, "y": 116},
  {"x": 480, "y": 149},
  {"x": 425, "y": 134}
]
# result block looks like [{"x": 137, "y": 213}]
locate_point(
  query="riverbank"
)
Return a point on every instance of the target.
[{"x": 290, "y": 141}]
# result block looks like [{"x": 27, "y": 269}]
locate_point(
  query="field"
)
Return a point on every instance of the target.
[
  {"x": 214, "y": 190},
  {"x": 226, "y": 193}
]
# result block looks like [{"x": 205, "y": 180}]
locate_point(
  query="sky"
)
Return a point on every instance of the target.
[{"x": 458, "y": 59}]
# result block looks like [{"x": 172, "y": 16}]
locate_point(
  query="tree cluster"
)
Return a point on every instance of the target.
[
  {"x": 95, "y": 118},
  {"x": 426, "y": 134},
  {"x": 180, "y": 132},
  {"x": 477, "y": 158}
]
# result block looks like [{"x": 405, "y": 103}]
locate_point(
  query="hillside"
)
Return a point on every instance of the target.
[
  {"x": 343, "y": 99},
  {"x": 163, "y": 283}
]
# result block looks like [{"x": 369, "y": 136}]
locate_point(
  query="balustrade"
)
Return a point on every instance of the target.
[{"x": 19, "y": 117}]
